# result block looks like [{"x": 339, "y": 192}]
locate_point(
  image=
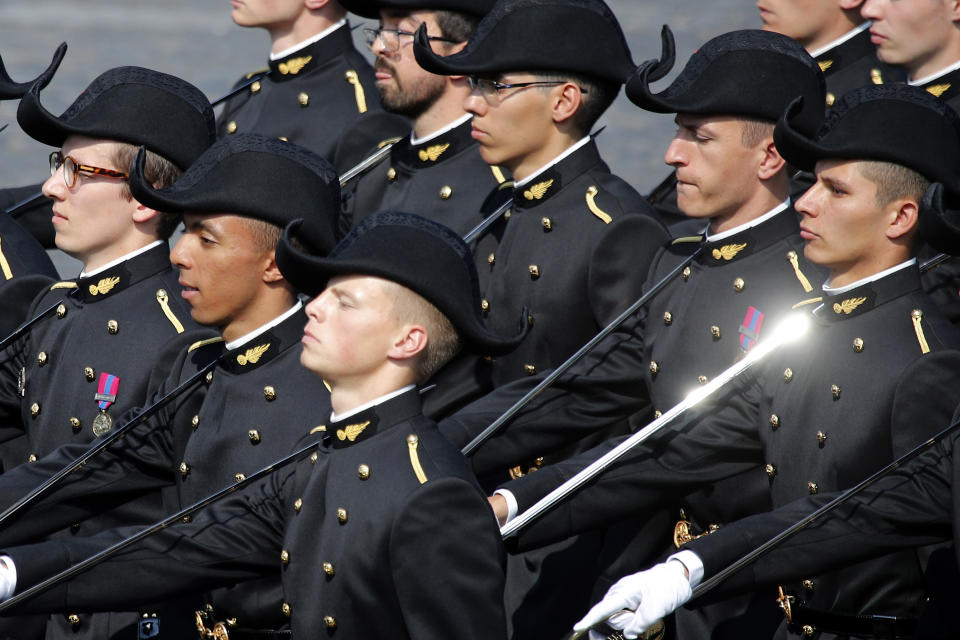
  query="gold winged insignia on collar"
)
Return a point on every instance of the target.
[
  {"x": 432, "y": 152},
  {"x": 825, "y": 64},
  {"x": 938, "y": 89},
  {"x": 847, "y": 306},
  {"x": 728, "y": 251},
  {"x": 104, "y": 286},
  {"x": 294, "y": 65},
  {"x": 537, "y": 191},
  {"x": 352, "y": 431},
  {"x": 252, "y": 355}
]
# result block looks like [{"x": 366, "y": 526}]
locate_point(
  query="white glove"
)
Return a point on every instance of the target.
[
  {"x": 647, "y": 596},
  {"x": 8, "y": 577}
]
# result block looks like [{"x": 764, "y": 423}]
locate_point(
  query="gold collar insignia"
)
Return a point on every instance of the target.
[
  {"x": 351, "y": 431},
  {"x": 728, "y": 251},
  {"x": 294, "y": 65},
  {"x": 824, "y": 65},
  {"x": 433, "y": 152},
  {"x": 938, "y": 89},
  {"x": 537, "y": 191},
  {"x": 252, "y": 355},
  {"x": 847, "y": 306},
  {"x": 104, "y": 286}
]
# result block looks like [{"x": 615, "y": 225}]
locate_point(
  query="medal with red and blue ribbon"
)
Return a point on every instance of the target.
[
  {"x": 106, "y": 395},
  {"x": 750, "y": 329}
]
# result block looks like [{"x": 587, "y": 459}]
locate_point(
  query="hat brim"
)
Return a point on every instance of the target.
[{"x": 11, "y": 90}]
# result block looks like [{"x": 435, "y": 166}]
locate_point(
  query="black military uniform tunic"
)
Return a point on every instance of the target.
[
  {"x": 852, "y": 64},
  {"x": 382, "y": 532},
  {"x": 20, "y": 253},
  {"x": 308, "y": 97},
  {"x": 442, "y": 178},
  {"x": 247, "y": 412}
]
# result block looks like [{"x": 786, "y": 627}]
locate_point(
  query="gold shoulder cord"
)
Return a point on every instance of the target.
[
  {"x": 63, "y": 285},
  {"x": 917, "y": 316},
  {"x": 164, "y": 301},
  {"x": 592, "y": 192},
  {"x": 202, "y": 343},
  {"x": 352, "y": 77},
  {"x": 412, "y": 443},
  {"x": 795, "y": 263},
  {"x": 804, "y": 303},
  {"x": 498, "y": 174},
  {"x": 5, "y": 266}
]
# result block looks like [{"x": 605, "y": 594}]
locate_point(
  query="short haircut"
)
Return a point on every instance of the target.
[
  {"x": 753, "y": 131},
  {"x": 159, "y": 171},
  {"x": 266, "y": 235},
  {"x": 598, "y": 94},
  {"x": 893, "y": 181},
  {"x": 456, "y": 25},
  {"x": 443, "y": 341}
]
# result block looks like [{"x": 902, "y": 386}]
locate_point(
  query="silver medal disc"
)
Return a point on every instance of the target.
[{"x": 102, "y": 424}]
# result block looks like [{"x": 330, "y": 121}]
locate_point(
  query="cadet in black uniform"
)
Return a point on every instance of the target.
[
  {"x": 316, "y": 84},
  {"x": 258, "y": 402},
  {"x": 878, "y": 373},
  {"x": 383, "y": 531},
  {"x": 435, "y": 169}
]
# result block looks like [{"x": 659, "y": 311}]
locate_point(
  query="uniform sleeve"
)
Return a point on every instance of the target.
[{"x": 446, "y": 560}]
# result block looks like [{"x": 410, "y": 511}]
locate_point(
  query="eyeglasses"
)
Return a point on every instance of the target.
[
  {"x": 72, "y": 168},
  {"x": 490, "y": 89},
  {"x": 390, "y": 38}
]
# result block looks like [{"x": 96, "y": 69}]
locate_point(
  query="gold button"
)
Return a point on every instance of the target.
[
  {"x": 685, "y": 274},
  {"x": 285, "y": 608},
  {"x": 232, "y": 126},
  {"x": 195, "y": 421},
  {"x": 484, "y": 305},
  {"x": 831, "y": 99},
  {"x": 330, "y": 621},
  {"x": 341, "y": 515},
  {"x": 285, "y": 557},
  {"x": 184, "y": 469},
  {"x": 187, "y": 519},
  {"x": 61, "y": 311},
  {"x": 446, "y": 192},
  {"x": 303, "y": 99},
  {"x": 391, "y": 174},
  {"x": 534, "y": 271},
  {"x": 491, "y": 258},
  {"x": 32, "y": 457},
  {"x": 297, "y": 505},
  {"x": 506, "y": 216},
  {"x": 254, "y": 436},
  {"x": 821, "y": 437},
  {"x": 73, "y": 619},
  {"x": 313, "y": 457},
  {"x": 835, "y": 391},
  {"x": 657, "y": 414},
  {"x": 284, "y": 138},
  {"x": 41, "y": 358},
  {"x": 209, "y": 377},
  {"x": 808, "y": 585},
  {"x": 269, "y": 393},
  {"x": 858, "y": 344},
  {"x": 771, "y": 470},
  {"x": 239, "y": 477},
  {"x": 530, "y": 319},
  {"x": 791, "y": 255},
  {"x": 113, "y": 327},
  {"x": 787, "y": 374},
  {"x": 774, "y": 421},
  {"x": 75, "y": 424},
  {"x": 529, "y": 369},
  {"x": 715, "y": 332},
  {"x": 738, "y": 285},
  {"x": 328, "y": 569},
  {"x": 88, "y": 373},
  {"x": 812, "y": 487},
  {"x": 35, "y": 409},
  {"x": 654, "y": 367},
  {"x": 412, "y": 439},
  {"x": 363, "y": 471},
  {"x": 702, "y": 379},
  {"x": 667, "y": 318},
  {"x": 809, "y": 630},
  {"x": 255, "y": 87},
  {"x": 546, "y": 224}
]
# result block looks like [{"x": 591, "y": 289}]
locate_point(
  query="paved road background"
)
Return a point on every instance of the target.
[{"x": 197, "y": 40}]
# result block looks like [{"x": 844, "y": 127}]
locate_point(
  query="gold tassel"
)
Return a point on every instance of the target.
[
  {"x": 412, "y": 442},
  {"x": 354, "y": 79},
  {"x": 917, "y": 316},
  {"x": 594, "y": 209},
  {"x": 795, "y": 261},
  {"x": 5, "y": 266},
  {"x": 164, "y": 300}
]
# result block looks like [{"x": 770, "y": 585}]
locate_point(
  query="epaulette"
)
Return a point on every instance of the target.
[
  {"x": 917, "y": 317},
  {"x": 498, "y": 174},
  {"x": 257, "y": 72},
  {"x": 505, "y": 185},
  {"x": 795, "y": 263},
  {"x": 804, "y": 303},
  {"x": 352, "y": 77},
  {"x": 384, "y": 143},
  {"x": 202, "y": 343},
  {"x": 320, "y": 428},
  {"x": 164, "y": 301},
  {"x": 5, "y": 267},
  {"x": 686, "y": 239},
  {"x": 592, "y": 192},
  {"x": 412, "y": 443},
  {"x": 63, "y": 285}
]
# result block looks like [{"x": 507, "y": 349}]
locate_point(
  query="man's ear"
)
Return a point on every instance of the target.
[
  {"x": 772, "y": 161},
  {"x": 271, "y": 273},
  {"x": 143, "y": 213},
  {"x": 566, "y": 102},
  {"x": 906, "y": 216},
  {"x": 412, "y": 340}
]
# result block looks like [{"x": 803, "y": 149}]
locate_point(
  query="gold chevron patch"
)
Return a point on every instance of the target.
[
  {"x": 537, "y": 191},
  {"x": 433, "y": 152},
  {"x": 293, "y": 66},
  {"x": 847, "y": 306},
  {"x": 728, "y": 251},
  {"x": 104, "y": 286},
  {"x": 938, "y": 89},
  {"x": 351, "y": 431},
  {"x": 252, "y": 355},
  {"x": 826, "y": 64}
]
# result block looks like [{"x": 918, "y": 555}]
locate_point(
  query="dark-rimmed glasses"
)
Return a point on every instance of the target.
[
  {"x": 490, "y": 89},
  {"x": 72, "y": 168},
  {"x": 390, "y": 38}
]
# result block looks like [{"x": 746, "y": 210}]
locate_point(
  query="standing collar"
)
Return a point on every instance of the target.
[
  {"x": 835, "y": 291},
  {"x": 414, "y": 141},
  {"x": 233, "y": 344},
  {"x": 123, "y": 258},
  {"x": 869, "y": 293},
  {"x": 370, "y": 418},
  {"x": 259, "y": 347},
  {"x": 935, "y": 75},
  {"x": 747, "y": 225},
  {"x": 839, "y": 41},
  {"x": 569, "y": 151},
  {"x": 305, "y": 43},
  {"x": 119, "y": 275}
]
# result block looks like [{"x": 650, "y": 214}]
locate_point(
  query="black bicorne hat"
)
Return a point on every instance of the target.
[
  {"x": 256, "y": 176},
  {"x": 422, "y": 255},
  {"x": 749, "y": 73},
  {"x": 576, "y": 36},
  {"x": 371, "y": 8},
  {"x": 10, "y": 90},
  {"x": 939, "y": 226},
  {"x": 167, "y": 115}
]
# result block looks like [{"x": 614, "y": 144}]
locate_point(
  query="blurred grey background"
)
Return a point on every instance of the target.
[{"x": 197, "y": 40}]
